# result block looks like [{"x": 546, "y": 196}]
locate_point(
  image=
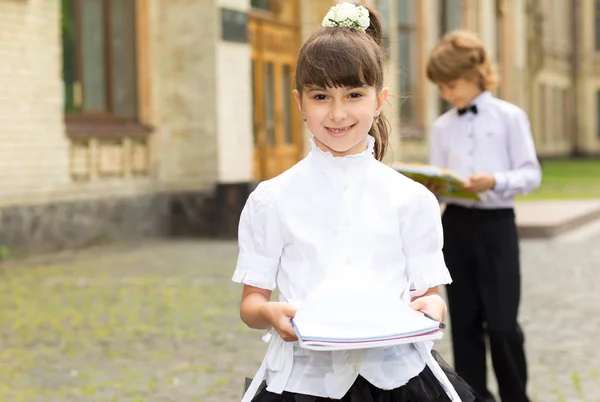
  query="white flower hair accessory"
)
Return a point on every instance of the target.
[{"x": 347, "y": 15}]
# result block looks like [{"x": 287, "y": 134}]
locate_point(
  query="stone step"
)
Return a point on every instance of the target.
[{"x": 544, "y": 219}]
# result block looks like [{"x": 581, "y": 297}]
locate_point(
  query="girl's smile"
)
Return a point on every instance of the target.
[{"x": 339, "y": 131}]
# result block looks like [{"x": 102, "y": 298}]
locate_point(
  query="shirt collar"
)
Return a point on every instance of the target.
[
  {"x": 326, "y": 159},
  {"x": 480, "y": 101},
  {"x": 482, "y": 98}
]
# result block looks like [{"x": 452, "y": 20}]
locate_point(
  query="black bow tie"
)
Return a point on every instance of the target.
[{"x": 472, "y": 108}]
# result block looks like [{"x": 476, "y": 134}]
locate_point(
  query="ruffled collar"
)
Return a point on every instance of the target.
[{"x": 326, "y": 159}]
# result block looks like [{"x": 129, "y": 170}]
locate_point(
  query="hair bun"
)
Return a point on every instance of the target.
[{"x": 375, "y": 29}]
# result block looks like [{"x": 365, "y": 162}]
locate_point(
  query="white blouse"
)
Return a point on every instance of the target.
[{"x": 321, "y": 216}]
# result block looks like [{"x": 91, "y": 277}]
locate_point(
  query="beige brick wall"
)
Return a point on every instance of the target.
[{"x": 33, "y": 147}]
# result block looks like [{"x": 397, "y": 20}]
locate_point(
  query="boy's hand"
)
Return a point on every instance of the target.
[
  {"x": 435, "y": 186},
  {"x": 480, "y": 182},
  {"x": 433, "y": 305},
  {"x": 280, "y": 314}
]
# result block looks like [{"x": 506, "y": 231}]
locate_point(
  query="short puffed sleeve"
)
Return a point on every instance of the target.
[
  {"x": 422, "y": 240},
  {"x": 260, "y": 240}
]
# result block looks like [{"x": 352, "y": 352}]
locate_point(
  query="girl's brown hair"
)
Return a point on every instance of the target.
[
  {"x": 461, "y": 54},
  {"x": 344, "y": 57}
]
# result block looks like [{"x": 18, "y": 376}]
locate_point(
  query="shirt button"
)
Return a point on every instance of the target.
[{"x": 348, "y": 261}]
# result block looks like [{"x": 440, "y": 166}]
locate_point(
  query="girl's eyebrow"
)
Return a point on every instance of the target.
[{"x": 316, "y": 88}]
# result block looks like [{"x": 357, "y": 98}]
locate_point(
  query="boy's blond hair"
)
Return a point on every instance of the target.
[{"x": 461, "y": 54}]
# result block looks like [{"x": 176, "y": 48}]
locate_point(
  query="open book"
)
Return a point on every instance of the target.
[
  {"x": 451, "y": 181},
  {"x": 358, "y": 313}
]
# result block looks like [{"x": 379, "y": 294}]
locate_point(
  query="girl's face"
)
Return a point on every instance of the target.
[{"x": 340, "y": 118}]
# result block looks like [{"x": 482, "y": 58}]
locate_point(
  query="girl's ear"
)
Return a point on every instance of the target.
[
  {"x": 298, "y": 98},
  {"x": 382, "y": 97}
]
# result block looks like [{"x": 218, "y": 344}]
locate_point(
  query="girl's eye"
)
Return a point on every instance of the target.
[
  {"x": 320, "y": 97},
  {"x": 355, "y": 95}
]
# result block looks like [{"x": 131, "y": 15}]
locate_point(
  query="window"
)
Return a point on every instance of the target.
[
  {"x": 568, "y": 113},
  {"x": 408, "y": 43},
  {"x": 597, "y": 23},
  {"x": 598, "y": 113},
  {"x": 451, "y": 18},
  {"x": 261, "y": 4},
  {"x": 542, "y": 114},
  {"x": 383, "y": 7},
  {"x": 451, "y": 15},
  {"x": 559, "y": 115},
  {"x": 99, "y": 59},
  {"x": 499, "y": 44}
]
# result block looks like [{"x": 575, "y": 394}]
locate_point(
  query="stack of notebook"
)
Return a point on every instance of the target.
[{"x": 358, "y": 313}]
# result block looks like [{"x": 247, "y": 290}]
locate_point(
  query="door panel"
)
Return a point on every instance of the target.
[{"x": 277, "y": 122}]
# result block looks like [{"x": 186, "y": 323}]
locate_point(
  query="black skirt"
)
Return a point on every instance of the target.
[{"x": 423, "y": 388}]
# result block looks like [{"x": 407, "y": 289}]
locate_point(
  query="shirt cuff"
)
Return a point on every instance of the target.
[
  {"x": 428, "y": 271},
  {"x": 256, "y": 270},
  {"x": 501, "y": 182}
]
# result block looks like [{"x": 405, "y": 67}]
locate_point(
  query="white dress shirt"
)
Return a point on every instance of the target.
[
  {"x": 495, "y": 140},
  {"x": 326, "y": 214}
]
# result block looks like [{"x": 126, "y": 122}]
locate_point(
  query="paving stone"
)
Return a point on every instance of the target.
[{"x": 159, "y": 322}]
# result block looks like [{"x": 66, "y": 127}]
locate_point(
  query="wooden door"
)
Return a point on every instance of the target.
[{"x": 277, "y": 122}]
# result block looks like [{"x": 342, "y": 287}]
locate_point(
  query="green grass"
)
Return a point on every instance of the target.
[{"x": 568, "y": 179}]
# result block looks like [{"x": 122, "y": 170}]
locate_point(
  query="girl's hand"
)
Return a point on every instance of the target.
[
  {"x": 280, "y": 314},
  {"x": 433, "y": 305}
]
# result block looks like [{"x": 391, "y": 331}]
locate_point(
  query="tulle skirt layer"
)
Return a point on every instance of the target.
[{"x": 422, "y": 388}]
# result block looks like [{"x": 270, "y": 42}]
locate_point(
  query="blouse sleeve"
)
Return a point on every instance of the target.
[
  {"x": 423, "y": 239},
  {"x": 260, "y": 241}
]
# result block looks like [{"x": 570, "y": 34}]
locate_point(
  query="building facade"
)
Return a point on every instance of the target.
[
  {"x": 546, "y": 52},
  {"x": 128, "y": 118}
]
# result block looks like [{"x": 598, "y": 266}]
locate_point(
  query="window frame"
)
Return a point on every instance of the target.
[
  {"x": 412, "y": 128},
  {"x": 596, "y": 6},
  {"x": 85, "y": 124},
  {"x": 446, "y": 27},
  {"x": 597, "y": 113}
]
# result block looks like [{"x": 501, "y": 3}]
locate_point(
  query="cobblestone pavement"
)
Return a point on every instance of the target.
[{"x": 159, "y": 322}]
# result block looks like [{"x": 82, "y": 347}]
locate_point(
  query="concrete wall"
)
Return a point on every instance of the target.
[{"x": 183, "y": 42}]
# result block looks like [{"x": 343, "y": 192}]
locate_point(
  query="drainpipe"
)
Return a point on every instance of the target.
[{"x": 575, "y": 67}]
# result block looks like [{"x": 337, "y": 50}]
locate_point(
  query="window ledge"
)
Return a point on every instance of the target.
[{"x": 106, "y": 129}]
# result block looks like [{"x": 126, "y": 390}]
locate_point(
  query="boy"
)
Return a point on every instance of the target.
[{"x": 489, "y": 141}]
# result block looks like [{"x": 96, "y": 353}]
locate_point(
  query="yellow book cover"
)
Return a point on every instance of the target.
[{"x": 451, "y": 181}]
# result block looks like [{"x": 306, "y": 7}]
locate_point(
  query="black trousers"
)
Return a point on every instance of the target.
[{"x": 481, "y": 249}]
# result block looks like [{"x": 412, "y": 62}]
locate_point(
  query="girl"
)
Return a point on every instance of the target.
[{"x": 337, "y": 209}]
